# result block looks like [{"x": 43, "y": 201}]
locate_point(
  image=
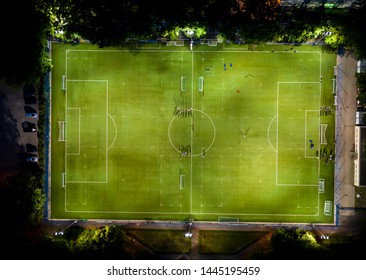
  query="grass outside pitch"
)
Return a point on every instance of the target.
[{"x": 141, "y": 141}]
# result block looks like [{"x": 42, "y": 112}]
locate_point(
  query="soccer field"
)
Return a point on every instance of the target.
[{"x": 226, "y": 133}]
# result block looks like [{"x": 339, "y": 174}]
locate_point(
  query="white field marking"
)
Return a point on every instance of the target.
[
  {"x": 195, "y": 213},
  {"x": 115, "y": 135},
  {"x": 79, "y": 137},
  {"x": 306, "y": 143},
  {"x": 106, "y": 117},
  {"x": 235, "y": 51},
  {"x": 278, "y": 92},
  {"x": 268, "y": 132},
  {"x": 213, "y": 139},
  {"x": 192, "y": 124},
  {"x": 66, "y": 93},
  {"x": 297, "y": 185},
  {"x": 186, "y": 51},
  {"x": 318, "y": 147}
]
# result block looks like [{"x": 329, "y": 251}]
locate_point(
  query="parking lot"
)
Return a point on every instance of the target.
[{"x": 13, "y": 139}]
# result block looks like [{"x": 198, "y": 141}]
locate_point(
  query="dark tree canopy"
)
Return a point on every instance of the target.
[{"x": 111, "y": 22}]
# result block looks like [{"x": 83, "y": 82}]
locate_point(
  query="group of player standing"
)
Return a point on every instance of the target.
[
  {"x": 325, "y": 110},
  {"x": 183, "y": 112},
  {"x": 184, "y": 150}
]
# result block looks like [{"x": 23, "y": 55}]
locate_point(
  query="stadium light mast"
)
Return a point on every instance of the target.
[
  {"x": 61, "y": 232},
  {"x": 189, "y": 233},
  {"x": 321, "y": 38},
  {"x": 322, "y": 236}
]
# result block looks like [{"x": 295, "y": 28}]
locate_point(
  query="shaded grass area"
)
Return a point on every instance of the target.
[
  {"x": 163, "y": 241},
  {"x": 227, "y": 242}
]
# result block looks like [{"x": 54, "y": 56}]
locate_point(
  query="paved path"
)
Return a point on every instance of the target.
[{"x": 346, "y": 114}]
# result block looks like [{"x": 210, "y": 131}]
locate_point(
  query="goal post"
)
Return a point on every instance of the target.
[
  {"x": 63, "y": 82},
  {"x": 323, "y": 129},
  {"x": 63, "y": 178},
  {"x": 183, "y": 83},
  {"x": 182, "y": 180},
  {"x": 212, "y": 43},
  {"x": 178, "y": 43},
  {"x": 61, "y": 128},
  {"x": 321, "y": 186},
  {"x": 327, "y": 207},
  {"x": 200, "y": 84}
]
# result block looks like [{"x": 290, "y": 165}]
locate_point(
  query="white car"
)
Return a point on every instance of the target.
[
  {"x": 31, "y": 159},
  {"x": 31, "y": 115}
]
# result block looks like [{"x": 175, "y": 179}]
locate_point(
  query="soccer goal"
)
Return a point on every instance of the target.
[
  {"x": 200, "y": 84},
  {"x": 61, "y": 129},
  {"x": 182, "y": 181},
  {"x": 63, "y": 82},
  {"x": 179, "y": 43},
  {"x": 183, "y": 83},
  {"x": 212, "y": 43},
  {"x": 63, "y": 177},
  {"x": 327, "y": 208},
  {"x": 323, "y": 129},
  {"x": 321, "y": 185}
]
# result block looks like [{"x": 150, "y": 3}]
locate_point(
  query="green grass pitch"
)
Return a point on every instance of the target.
[{"x": 217, "y": 133}]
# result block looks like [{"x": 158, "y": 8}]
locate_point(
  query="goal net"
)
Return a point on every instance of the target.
[
  {"x": 212, "y": 43},
  {"x": 63, "y": 82},
  {"x": 63, "y": 178},
  {"x": 200, "y": 84},
  {"x": 321, "y": 185},
  {"x": 327, "y": 208},
  {"x": 182, "y": 83},
  {"x": 323, "y": 129},
  {"x": 61, "y": 128}
]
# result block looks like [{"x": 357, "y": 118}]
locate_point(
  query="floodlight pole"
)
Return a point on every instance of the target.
[
  {"x": 62, "y": 231},
  {"x": 321, "y": 234},
  {"x": 189, "y": 234},
  {"x": 325, "y": 34}
]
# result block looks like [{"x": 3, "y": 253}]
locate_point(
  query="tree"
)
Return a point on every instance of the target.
[
  {"x": 353, "y": 27},
  {"x": 24, "y": 30},
  {"x": 107, "y": 242},
  {"x": 294, "y": 244}
]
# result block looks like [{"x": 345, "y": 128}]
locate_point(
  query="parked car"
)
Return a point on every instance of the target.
[
  {"x": 30, "y": 100},
  {"x": 32, "y": 158},
  {"x": 31, "y": 148},
  {"x": 29, "y": 127},
  {"x": 31, "y": 115}
]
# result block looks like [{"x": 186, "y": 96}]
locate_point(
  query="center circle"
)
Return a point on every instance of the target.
[{"x": 194, "y": 132}]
